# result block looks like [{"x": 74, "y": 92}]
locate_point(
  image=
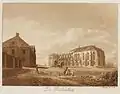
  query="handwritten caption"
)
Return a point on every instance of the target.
[{"x": 58, "y": 89}]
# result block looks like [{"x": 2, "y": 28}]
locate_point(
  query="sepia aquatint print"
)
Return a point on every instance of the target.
[{"x": 59, "y": 44}]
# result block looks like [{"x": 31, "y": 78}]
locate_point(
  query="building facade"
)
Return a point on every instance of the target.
[
  {"x": 18, "y": 48},
  {"x": 88, "y": 56},
  {"x": 9, "y": 61}
]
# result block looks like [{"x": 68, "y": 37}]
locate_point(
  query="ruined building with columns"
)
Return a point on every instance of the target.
[
  {"x": 87, "y": 56},
  {"x": 17, "y": 53}
]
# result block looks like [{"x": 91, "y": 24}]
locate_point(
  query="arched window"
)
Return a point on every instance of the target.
[
  {"x": 13, "y": 42},
  {"x": 13, "y": 51},
  {"x": 83, "y": 56},
  {"x": 75, "y": 56},
  {"x": 93, "y": 55},
  {"x": 87, "y": 56},
  {"x": 23, "y": 51}
]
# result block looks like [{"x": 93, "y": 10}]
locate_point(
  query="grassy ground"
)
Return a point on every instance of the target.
[{"x": 51, "y": 77}]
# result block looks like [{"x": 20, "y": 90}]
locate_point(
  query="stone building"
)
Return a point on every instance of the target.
[
  {"x": 18, "y": 48},
  {"x": 53, "y": 58},
  {"x": 9, "y": 61},
  {"x": 88, "y": 56}
]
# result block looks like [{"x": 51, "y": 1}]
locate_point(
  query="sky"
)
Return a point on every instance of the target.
[{"x": 62, "y": 27}]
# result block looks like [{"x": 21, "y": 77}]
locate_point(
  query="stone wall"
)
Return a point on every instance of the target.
[{"x": 9, "y": 61}]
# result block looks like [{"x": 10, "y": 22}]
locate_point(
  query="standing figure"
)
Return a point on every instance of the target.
[
  {"x": 37, "y": 69},
  {"x": 66, "y": 71}
]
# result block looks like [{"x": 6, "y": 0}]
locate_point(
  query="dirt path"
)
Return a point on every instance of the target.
[
  {"x": 45, "y": 79},
  {"x": 31, "y": 78}
]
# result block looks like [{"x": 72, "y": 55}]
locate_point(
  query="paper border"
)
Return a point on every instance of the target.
[{"x": 40, "y": 89}]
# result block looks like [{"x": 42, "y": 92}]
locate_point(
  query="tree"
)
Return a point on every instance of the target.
[
  {"x": 55, "y": 63},
  {"x": 62, "y": 64}
]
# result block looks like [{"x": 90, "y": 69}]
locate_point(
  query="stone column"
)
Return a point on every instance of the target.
[
  {"x": 18, "y": 63},
  {"x": 70, "y": 63},
  {"x": 91, "y": 59},
  {"x": 83, "y": 63},
  {"x": 96, "y": 59},
  {"x": 73, "y": 63},
  {"x": 80, "y": 62},
  {"x": 13, "y": 62},
  {"x": 89, "y": 65}
]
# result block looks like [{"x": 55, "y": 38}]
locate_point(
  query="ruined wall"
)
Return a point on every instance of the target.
[{"x": 86, "y": 58}]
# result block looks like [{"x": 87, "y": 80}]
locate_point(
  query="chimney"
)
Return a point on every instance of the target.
[{"x": 17, "y": 34}]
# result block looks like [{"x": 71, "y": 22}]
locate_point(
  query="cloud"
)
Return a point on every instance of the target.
[{"x": 48, "y": 41}]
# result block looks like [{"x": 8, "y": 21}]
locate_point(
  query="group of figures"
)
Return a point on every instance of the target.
[
  {"x": 58, "y": 64},
  {"x": 66, "y": 72}
]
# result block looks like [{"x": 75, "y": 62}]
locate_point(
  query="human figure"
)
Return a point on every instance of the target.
[
  {"x": 62, "y": 63},
  {"x": 71, "y": 73},
  {"x": 37, "y": 69},
  {"x": 65, "y": 71},
  {"x": 68, "y": 72}
]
